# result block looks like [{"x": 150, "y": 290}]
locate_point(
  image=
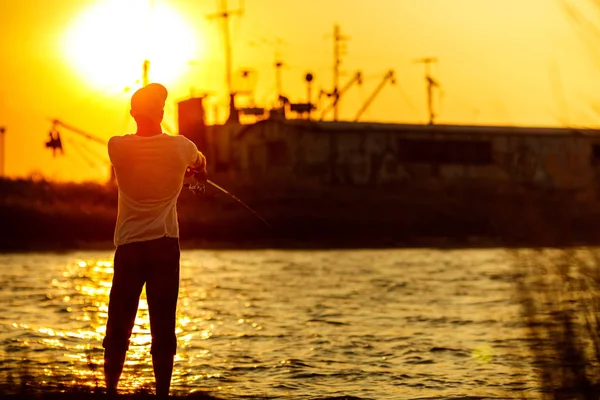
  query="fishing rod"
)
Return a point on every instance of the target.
[{"x": 200, "y": 188}]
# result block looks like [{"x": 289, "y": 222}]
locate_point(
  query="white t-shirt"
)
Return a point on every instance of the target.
[{"x": 150, "y": 172}]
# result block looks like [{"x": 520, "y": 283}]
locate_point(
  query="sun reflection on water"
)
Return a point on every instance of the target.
[
  {"x": 83, "y": 294},
  {"x": 279, "y": 324}
]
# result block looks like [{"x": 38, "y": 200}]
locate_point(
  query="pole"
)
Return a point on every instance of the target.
[
  {"x": 145, "y": 73},
  {"x": 337, "y": 61},
  {"x": 146, "y": 63},
  {"x": 309, "y": 78},
  {"x": 278, "y": 84},
  {"x": 3, "y": 147},
  {"x": 430, "y": 100},
  {"x": 431, "y": 83},
  {"x": 227, "y": 41},
  {"x": 224, "y": 13}
]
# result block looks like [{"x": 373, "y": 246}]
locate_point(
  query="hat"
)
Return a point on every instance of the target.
[{"x": 149, "y": 100}]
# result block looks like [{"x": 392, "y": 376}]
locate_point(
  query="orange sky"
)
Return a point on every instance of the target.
[{"x": 511, "y": 62}]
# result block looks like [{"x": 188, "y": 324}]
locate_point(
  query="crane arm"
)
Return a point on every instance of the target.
[
  {"x": 388, "y": 77},
  {"x": 356, "y": 79},
  {"x": 74, "y": 129},
  {"x": 93, "y": 138}
]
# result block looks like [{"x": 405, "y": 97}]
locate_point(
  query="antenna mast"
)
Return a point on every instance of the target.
[
  {"x": 146, "y": 63},
  {"x": 431, "y": 83},
  {"x": 145, "y": 71},
  {"x": 224, "y": 13},
  {"x": 338, "y": 48},
  {"x": 279, "y": 64},
  {"x": 3, "y": 146},
  {"x": 278, "y": 80}
]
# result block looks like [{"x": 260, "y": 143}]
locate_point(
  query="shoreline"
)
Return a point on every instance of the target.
[
  {"x": 385, "y": 243},
  {"x": 62, "y": 217}
]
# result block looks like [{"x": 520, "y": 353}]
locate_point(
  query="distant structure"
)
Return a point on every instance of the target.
[
  {"x": 145, "y": 73},
  {"x": 225, "y": 13},
  {"x": 309, "y": 78},
  {"x": 252, "y": 112},
  {"x": 3, "y": 150},
  {"x": 431, "y": 83},
  {"x": 338, "y": 40},
  {"x": 389, "y": 77},
  {"x": 90, "y": 157},
  {"x": 337, "y": 94},
  {"x": 275, "y": 153},
  {"x": 192, "y": 122}
]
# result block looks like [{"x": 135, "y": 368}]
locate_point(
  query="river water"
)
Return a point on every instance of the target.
[{"x": 373, "y": 324}]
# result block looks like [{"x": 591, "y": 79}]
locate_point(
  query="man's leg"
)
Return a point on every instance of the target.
[
  {"x": 125, "y": 293},
  {"x": 162, "y": 289}
]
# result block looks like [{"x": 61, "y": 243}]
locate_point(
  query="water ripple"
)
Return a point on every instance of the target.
[{"x": 270, "y": 324}]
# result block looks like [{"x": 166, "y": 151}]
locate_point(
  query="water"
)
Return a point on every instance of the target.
[{"x": 374, "y": 324}]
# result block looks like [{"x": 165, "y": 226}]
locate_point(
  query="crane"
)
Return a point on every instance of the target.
[
  {"x": 389, "y": 76},
  {"x": 55, "y": 143},
  {"x": 337, "y": 94},
  {"x": 54, "y": 132}
]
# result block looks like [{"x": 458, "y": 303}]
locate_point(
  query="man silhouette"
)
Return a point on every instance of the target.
[{"x": 150, "y": 167}]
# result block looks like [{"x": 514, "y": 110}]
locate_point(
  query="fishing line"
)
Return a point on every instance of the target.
[
  {"x": 90, "y": 159},
  {"x": 199, "y": 188},
  {"x": 95, "y": 155},
  {"x": 85, "y": 158}
]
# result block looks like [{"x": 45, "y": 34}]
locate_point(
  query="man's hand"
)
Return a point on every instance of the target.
[
  {"x": 202, "y": 175},
  {"x": 198, "y": 170}
]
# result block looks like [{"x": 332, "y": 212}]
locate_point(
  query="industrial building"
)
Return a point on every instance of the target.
[{"x": 279, "y": 150}]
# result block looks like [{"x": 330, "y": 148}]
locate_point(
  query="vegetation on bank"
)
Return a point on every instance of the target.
[
  {"x": 559, "y": 291},
  {"x": 43, "y": 215}
]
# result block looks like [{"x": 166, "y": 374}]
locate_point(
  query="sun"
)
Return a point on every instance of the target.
[{"x": 110, "y": 41}]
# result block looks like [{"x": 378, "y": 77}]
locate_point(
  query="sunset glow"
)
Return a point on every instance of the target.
[
  {"x": 108, "y": 43},
  {"x": 499, "y": 63}
]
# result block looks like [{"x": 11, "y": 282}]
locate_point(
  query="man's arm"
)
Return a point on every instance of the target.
[{"x": 113, "y": 150}]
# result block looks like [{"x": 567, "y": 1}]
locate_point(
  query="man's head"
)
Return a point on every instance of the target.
[{"x": 148, "y": 103}]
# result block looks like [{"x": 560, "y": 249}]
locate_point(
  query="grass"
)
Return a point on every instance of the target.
[{"x": 559, "y": 291}]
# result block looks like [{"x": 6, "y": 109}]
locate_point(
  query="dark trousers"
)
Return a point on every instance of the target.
[{"x": 156, "y": 264}]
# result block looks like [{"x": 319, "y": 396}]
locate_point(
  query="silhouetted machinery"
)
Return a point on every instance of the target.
[
  {"x": 389, "y": 77},
  {"x": 253, "y": 111},
  {"x": 192, "y": 122},
  {"x": 302, "y": 108},
  {"x": 337, "y": 94},
  {"x": 89, "y": 156},
  {"x": 54, "y": 142}
]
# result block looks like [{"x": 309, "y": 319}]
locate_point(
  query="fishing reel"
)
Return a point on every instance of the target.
[{"x": 197, "y": 188}]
